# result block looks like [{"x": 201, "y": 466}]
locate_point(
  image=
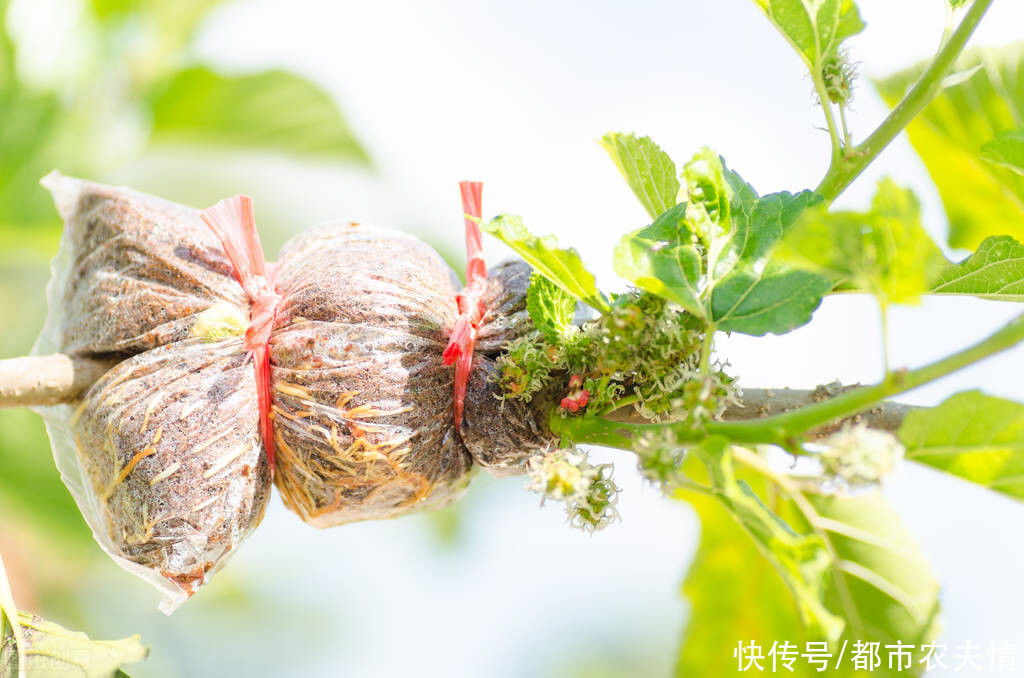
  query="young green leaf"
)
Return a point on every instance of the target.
[
  {"x": 707, "y": 195},
  {"x": 551, "y": 308},
  {"x": 749, "y": 294},
  {"x": 758, "y": 223},
  {"x": 563, "y": 267},
  {"x": 815, "y": 28},
  {"x": 884, "y": 251},
  {"x": 995, "y": 271},
  {"x": 981, "y": 198},
  {"x": 971, "y": 435},
  {"x": 272, "y": 110},
  {"x": 51, "y": 650},
  {"x": 648, "y": 170},
  {"x": 663, "y": 260},
  {"x": 1006, "y": 149}
]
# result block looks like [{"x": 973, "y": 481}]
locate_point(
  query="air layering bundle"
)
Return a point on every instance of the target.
[{"x": 326, "y": 373}]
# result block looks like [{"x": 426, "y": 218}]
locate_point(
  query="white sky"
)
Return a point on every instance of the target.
[{"x": 515, "y": 94}]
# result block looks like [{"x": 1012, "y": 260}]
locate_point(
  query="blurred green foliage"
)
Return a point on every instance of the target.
[
  {"x": 135, "y": 85},
  {"x": 734, "y": 595},
  {"x": 982, "y": 198},
  {"x": 200, "y": 106},
  {"x": 877, "y": 580}
]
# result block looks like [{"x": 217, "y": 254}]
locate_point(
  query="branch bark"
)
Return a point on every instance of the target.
[
  {"x": 758, "y": 403},
  {"x": 58, "y": 378},
  {"x": 48, "y": 379}
]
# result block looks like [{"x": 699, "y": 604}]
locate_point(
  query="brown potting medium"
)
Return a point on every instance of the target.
[{"x": 164, "y": 454}]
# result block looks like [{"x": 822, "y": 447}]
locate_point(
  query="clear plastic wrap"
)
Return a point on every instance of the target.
[
  {"x": 167, "y": 454},
  {"x": 162, "y": 455},
  {"x": 362, "y": 401}
]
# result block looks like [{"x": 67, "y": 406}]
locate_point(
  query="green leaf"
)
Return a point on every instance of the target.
[
  {"x": 750, "y": 294},
  {"x": 758, "y": 223},
  {"x": 876, "y": 580},
  {"x": 663, "y": 260},
  {"x": 52, "y": 651},
  {"x": 971, "y": 435},
  {"x": 41, "y": 648},
  {"x": 563, "y": 267},
  {"x": 981, "y": 198},
  {"x": 734, "y": 594},
  {"x": 727, "y": 228},
  {"x": 995, "y": 271},
  {"x": 1006, "y": 149},
  {"x": 800, "y": 560},
  {"x": 815, "y": 28},
  {"x": 882, "y": 585},
  {"x": 272, "y": 110},
  {"x": 648, "y": 170},
  {"x": 884, "y": 251},
  {"x": 551, "y": 308},
  {"x": 777, "y": 300}
]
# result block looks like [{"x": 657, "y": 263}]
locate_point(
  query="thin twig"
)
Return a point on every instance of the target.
[
  {"x": 847, "y": 166},
  {"x": 48, "y": 379}
]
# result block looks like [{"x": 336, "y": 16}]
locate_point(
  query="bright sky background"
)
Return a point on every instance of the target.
[{"x": 515, "y": 94}]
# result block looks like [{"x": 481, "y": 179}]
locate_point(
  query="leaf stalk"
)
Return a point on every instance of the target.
[{"x": 847, "y": 166}]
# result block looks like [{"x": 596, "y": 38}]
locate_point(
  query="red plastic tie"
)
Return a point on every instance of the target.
[
  {"x": 469, "y": 300},
  {"x": 234, "y": 225}
]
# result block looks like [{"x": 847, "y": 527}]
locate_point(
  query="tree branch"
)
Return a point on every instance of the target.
[
  {"x": 759, "y": 403},
  {"x": 47, "y": 379},
  {"x": 52, "y": 379}
]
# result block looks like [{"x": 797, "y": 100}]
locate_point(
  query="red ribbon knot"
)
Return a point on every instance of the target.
[
  {"x": 234, "y": 225},
  {"x": 469, "y": 300}
]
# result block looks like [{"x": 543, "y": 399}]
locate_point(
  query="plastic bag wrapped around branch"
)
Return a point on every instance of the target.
[
  {"x": 169, "y": 443},
  {"x": 362, "y": 402},
  {"x": 167, "y": 454}
]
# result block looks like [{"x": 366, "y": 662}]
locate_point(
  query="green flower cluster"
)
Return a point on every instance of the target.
[
  {"x": 587, "y": 490},
  {"x": 857, "y": 456},
  {"x": 659, "y": 458},
  {"x": 644, "y": 348}
]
